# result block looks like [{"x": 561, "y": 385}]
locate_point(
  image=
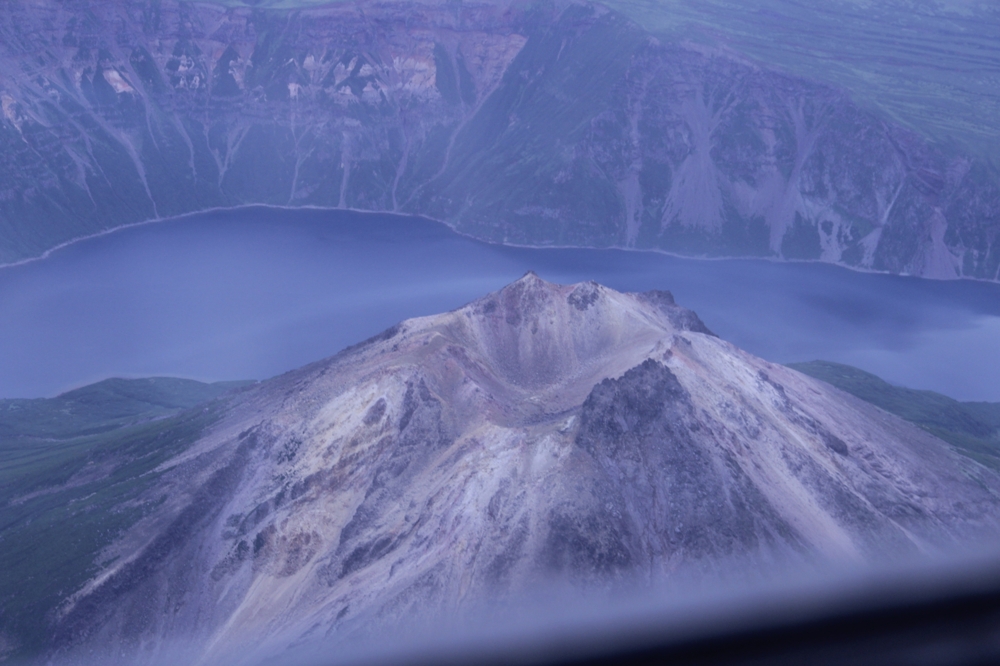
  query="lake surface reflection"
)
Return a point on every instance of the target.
[{"x": 250, "y": 293}]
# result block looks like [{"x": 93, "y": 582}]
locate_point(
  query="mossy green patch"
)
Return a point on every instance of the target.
[
  {"x": 72, "y": 470},
  {"x": 925, "y": 65},
  {"x": 972, "y": 427},
  {"x": 100, "y": 407}
]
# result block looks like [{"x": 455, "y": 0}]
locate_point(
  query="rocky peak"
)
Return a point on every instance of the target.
[
  {"x": 538, "y": 334},
  {"x": 543, "y": 433}
]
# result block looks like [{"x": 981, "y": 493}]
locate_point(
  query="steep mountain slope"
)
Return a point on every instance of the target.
[
  {"x": 542, "y": 433},
  {"x": 534, "y": 124},
  {"x": 974, "y": 427},
  {"x": 69, "y": 468}
]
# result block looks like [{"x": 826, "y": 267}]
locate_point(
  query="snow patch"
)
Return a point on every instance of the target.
[
  {"x": 115, "y": 79},
  {"x": 416, "y": 74},
  {"x": 8, "y": 104}
]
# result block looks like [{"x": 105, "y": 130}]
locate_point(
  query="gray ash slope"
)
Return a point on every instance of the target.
[
  {"x": 530, "y": 123},
  {"x": 541, "y": 433}
]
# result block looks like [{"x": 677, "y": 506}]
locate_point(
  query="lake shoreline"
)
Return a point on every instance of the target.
[
  {"x": 259, "y": 290},
  {"x": 359, "y": 211}
]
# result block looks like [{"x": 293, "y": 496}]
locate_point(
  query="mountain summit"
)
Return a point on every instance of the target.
[{"x": 543, "y": 432}]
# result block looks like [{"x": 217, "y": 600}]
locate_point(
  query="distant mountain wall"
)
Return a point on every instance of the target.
[{"x": 554, "y": 124}]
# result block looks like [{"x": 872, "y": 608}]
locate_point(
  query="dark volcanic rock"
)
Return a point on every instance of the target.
[{"x": 643, "y": 430}]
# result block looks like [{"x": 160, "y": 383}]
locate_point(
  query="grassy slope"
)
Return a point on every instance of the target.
[
  {"x": 933, "y": 66},
  {"x": 103, "y": 406},
  {"x": 69, "y": 467},
  {"x": 972, "y": 427}
]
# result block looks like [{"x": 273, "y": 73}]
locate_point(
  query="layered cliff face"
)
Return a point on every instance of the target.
[
  {"x": 544, "y": 125},
  {"x": 542, "y": 433}
]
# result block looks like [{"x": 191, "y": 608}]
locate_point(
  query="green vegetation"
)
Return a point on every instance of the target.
[
  {"x": 972, "y": 427},
  {"x": 71, "y": 470},
  {"x": 103, "y": 406},
  {"x": 932, "y": 66}
]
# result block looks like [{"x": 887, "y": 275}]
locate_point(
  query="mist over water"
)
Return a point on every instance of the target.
[{"x": 254, "y": 292}]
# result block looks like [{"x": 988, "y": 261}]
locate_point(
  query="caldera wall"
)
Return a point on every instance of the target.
[{"x": 564, "y": 125}]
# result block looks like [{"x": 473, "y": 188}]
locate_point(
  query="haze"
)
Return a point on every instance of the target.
[{"x": 249, "y": 294}]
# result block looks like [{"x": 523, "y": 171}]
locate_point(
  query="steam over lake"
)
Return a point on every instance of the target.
[{"x": 253, "y": 292}]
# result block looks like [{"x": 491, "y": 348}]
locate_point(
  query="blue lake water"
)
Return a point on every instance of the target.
[{"x": 250, "y": 293}]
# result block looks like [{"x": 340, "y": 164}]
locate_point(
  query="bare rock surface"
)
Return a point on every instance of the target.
[{"x": 541, "y": 433}]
